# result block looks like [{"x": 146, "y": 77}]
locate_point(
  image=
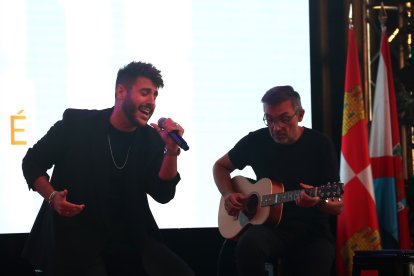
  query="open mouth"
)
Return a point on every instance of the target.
[{"x": 146, "y": 110}]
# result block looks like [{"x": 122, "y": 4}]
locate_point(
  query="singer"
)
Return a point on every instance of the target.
[{"x": 95, "y": 218}]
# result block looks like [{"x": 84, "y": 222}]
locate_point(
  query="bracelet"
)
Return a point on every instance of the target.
[
  {"x": 172, "y": 153},
  {"x": 51, "y": 197}
]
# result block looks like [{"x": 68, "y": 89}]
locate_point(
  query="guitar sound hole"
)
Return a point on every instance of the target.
[{"x": 251, "y": 206}]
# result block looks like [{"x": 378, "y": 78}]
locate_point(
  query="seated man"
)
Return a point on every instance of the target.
[{"x": 300, "y": 158}]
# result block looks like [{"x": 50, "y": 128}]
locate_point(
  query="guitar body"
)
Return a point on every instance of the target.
[{"x": 254, "y": 213}]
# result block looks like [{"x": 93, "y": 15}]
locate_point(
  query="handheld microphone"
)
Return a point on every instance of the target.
[{"x": 175, "y": 136}]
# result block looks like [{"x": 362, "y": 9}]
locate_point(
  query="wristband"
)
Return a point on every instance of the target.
[
  {"x": 51, "y": 197},
  {"x": 172, "y": 153}
]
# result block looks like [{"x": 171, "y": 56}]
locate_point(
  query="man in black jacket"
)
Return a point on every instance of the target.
[{"x": 95, "y": 219}]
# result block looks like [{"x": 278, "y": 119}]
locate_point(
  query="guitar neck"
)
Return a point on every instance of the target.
[{"x": 272, "y": 199}]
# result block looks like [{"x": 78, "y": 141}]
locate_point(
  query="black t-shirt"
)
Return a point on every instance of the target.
[
  {"x": 310, "y": 160},
  {"x": 120, "y": 147}
]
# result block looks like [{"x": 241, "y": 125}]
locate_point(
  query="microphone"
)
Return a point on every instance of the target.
[{"x": 174, "y": 135}]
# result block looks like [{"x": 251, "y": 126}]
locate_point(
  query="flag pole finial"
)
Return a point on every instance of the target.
[
  {"x": 382, "y": 16},
  {"x": 350, "y": 23}
]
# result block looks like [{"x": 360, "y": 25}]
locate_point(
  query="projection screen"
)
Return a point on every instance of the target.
[{"x": 217, "y": 59}]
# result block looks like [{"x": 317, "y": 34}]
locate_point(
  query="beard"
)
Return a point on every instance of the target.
[
  {"x": 130, "y": 110},
  {"x": 281, "y": 137}
]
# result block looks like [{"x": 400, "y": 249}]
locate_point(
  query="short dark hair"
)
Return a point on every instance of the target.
[
  {"x": 130, "y": 72},
  {"x": 279, "y": 94}
]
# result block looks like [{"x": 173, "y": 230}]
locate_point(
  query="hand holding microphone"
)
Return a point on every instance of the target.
[{"x": 168, "y": 125}]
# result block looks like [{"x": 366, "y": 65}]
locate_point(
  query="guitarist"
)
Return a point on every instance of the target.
[{"x": 299, "y": 158}]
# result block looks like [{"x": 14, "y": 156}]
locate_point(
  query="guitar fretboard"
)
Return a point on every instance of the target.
[
  {"x": 326, "y": 191},
  {"x": 272, "y": 199}
]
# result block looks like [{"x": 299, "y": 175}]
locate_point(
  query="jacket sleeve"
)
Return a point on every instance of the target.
[
  {"x": 164, "y": 190},
  {"x": 48, "y": 151},
  {"x": 160, "y": 190}
]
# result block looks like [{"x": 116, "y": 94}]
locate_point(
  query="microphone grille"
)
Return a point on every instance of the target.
[{"x": 161, "y": 121}]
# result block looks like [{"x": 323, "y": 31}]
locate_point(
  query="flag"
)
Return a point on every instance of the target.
[
  {"x": 357, "y": 224},
  {"x": 386, "y": 157}
]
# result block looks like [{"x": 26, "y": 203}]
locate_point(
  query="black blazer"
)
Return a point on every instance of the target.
[{"x": 77, "y": 147}]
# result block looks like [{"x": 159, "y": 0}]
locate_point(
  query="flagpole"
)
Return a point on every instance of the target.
[
  {"x": 382, "y": 17},
  {"x": 366, "y": 30}
]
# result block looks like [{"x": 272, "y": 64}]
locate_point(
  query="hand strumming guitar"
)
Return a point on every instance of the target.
[{"x": 235, "y": 202}]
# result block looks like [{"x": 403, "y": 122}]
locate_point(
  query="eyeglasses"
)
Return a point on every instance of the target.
[{"x": 284, "y": 119}]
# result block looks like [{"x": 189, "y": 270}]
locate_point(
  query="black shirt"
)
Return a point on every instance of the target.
[{"x": 310, "y": 160}]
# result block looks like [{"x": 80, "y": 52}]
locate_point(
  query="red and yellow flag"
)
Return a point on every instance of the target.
[{"x": 357, "y": 226}]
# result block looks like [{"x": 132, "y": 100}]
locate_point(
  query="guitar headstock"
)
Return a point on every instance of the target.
[{"x": 331, "y": 190}]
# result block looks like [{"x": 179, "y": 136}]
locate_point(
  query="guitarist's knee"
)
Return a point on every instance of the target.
[{"x": 253, "y": 244}]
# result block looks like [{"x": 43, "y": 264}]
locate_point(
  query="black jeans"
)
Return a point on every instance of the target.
[{"x": 301, "y": 254}]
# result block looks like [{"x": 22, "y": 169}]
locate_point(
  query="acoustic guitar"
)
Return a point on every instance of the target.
[{"x": 265, "y": 203}]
